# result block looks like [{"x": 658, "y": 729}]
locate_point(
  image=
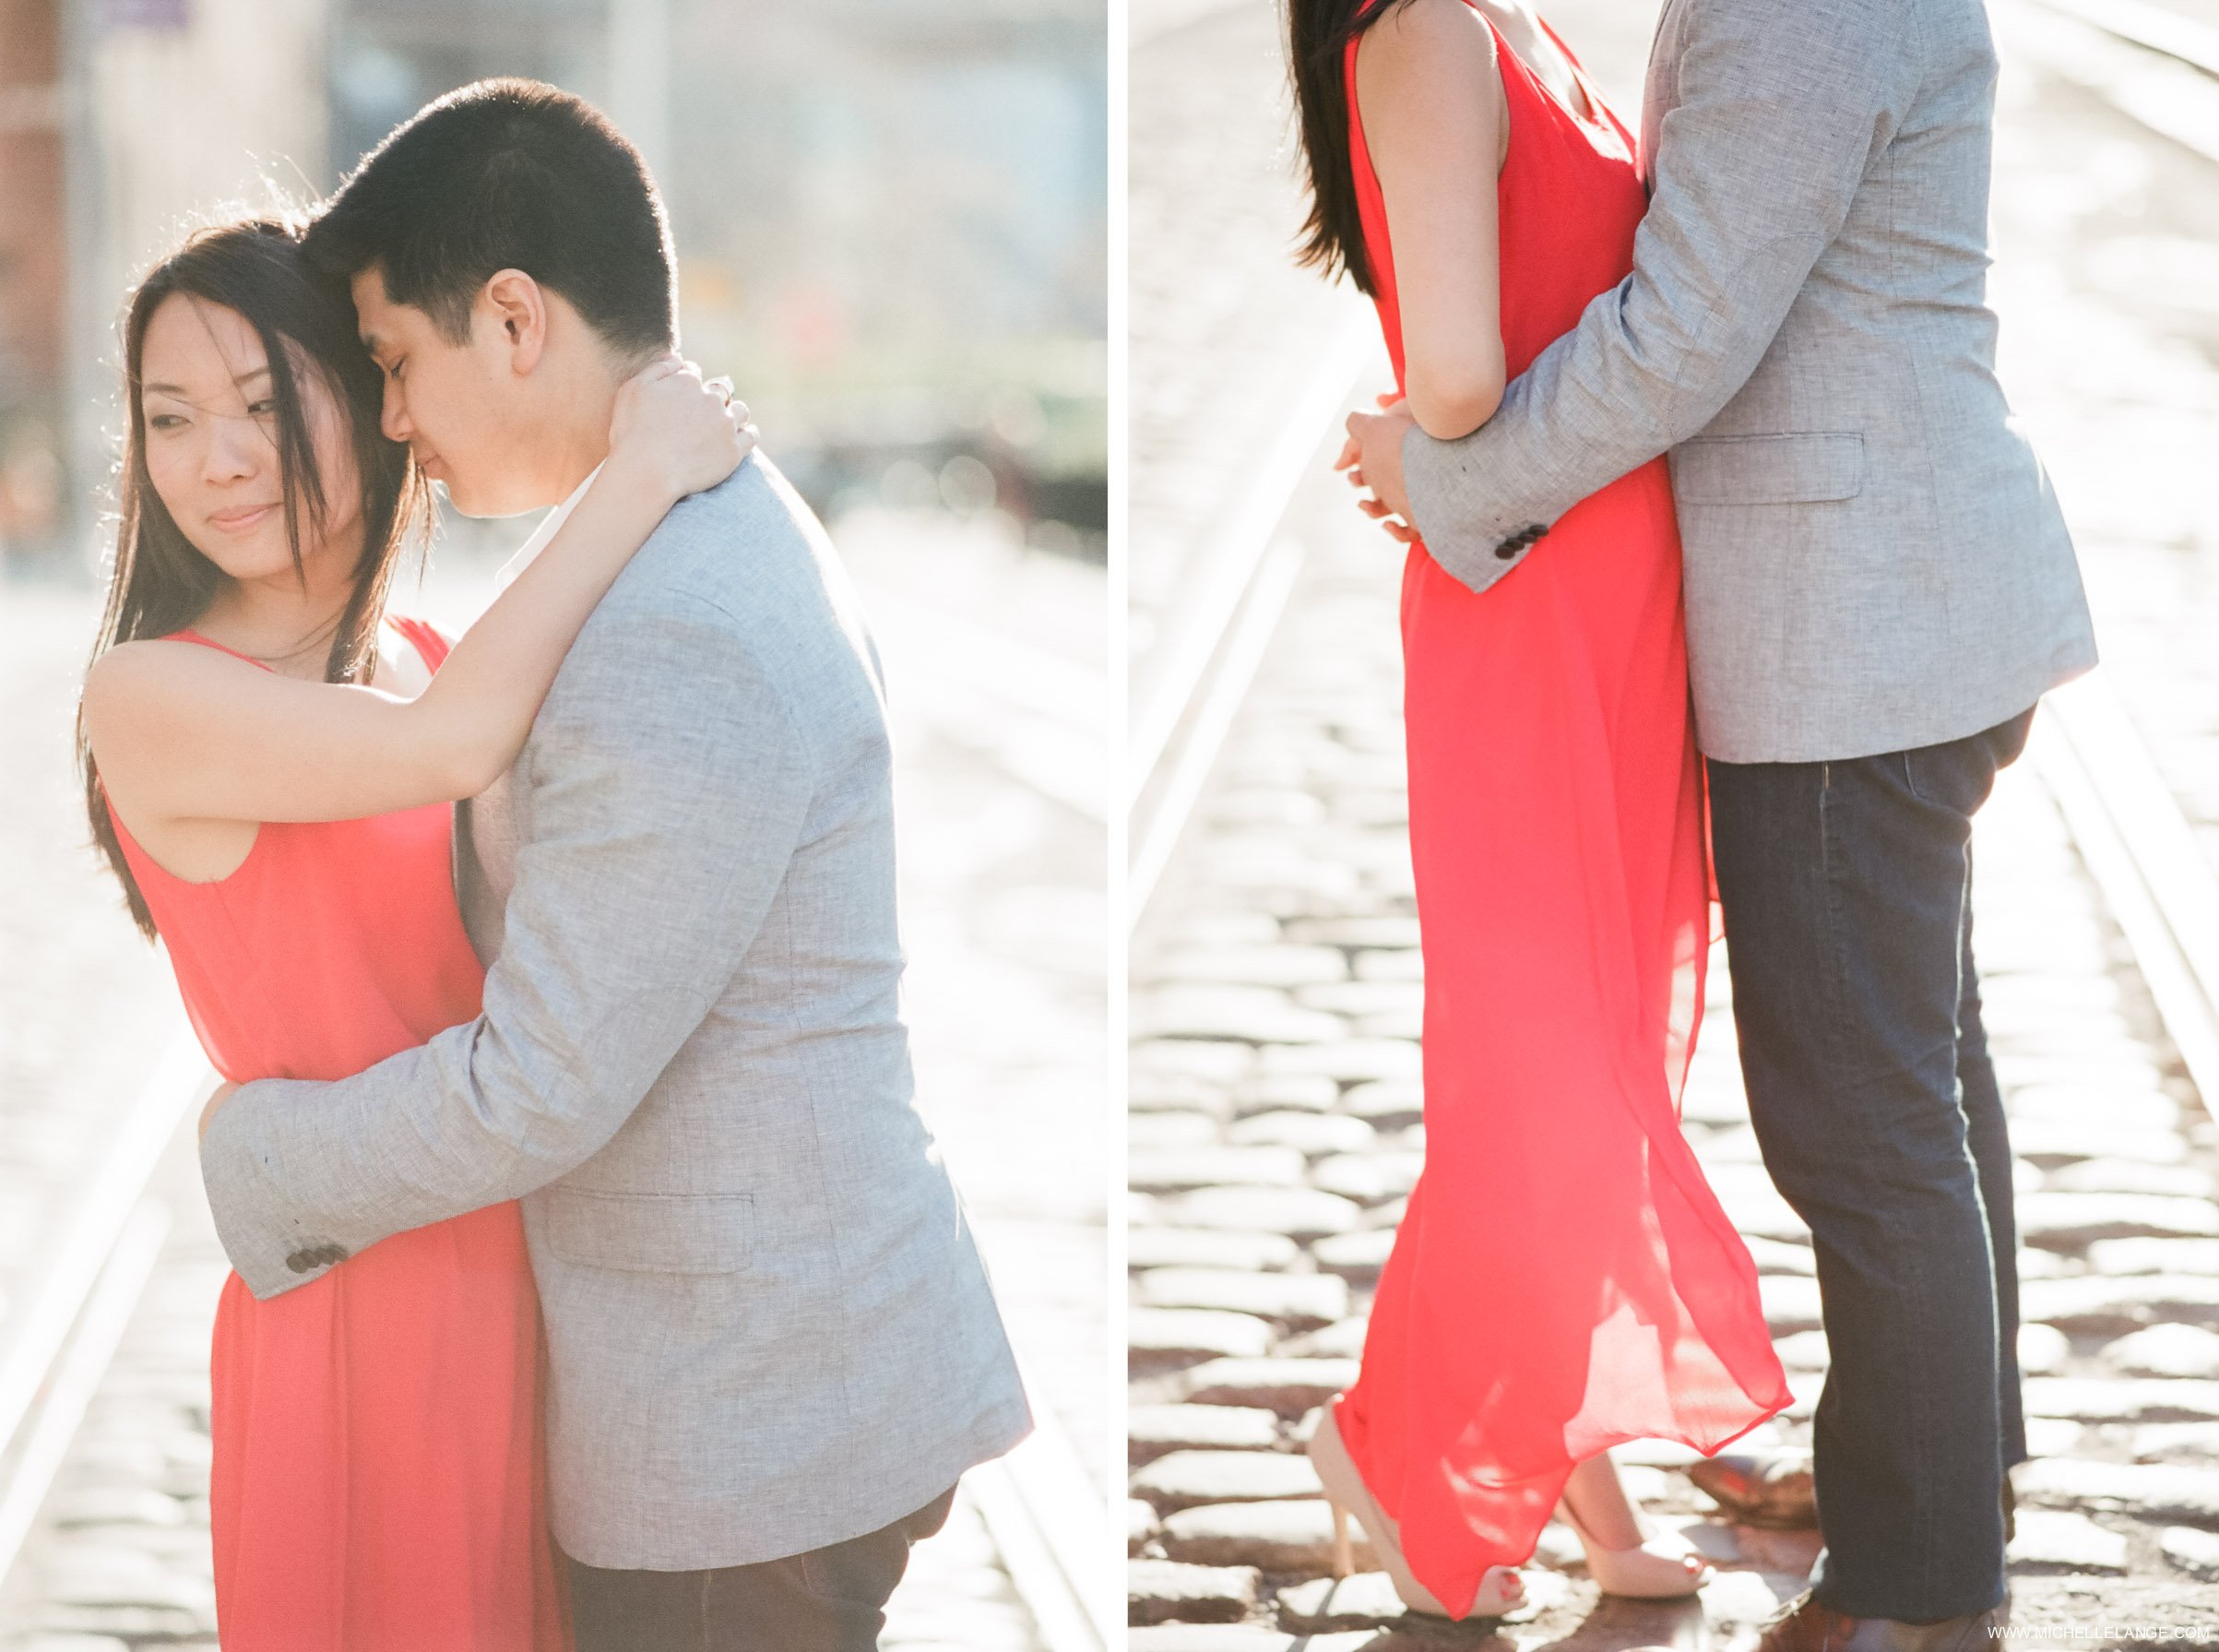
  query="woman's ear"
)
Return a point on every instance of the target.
[{"x": 518, "y": 306}]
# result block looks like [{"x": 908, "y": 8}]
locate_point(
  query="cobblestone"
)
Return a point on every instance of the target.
[
  {"x": 1158, "y": 1590},
  {"x": 1183, "y": 1478},
  {"x": 1294, "y": 1534}
]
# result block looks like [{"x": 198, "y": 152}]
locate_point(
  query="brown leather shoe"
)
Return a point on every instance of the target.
[
  {"x": 1773, "y": 1490},
  {"x": 1804, "y": 1625},
  {"x": 1769, "y": 1489}
]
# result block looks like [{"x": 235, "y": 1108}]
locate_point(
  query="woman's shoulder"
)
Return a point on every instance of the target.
[
  {"x": 1419, "y": 67},
  {"x": 135, "y": 690},
  {"x": 1414, "y": 32},
  {"x": 149, "y": 664}
]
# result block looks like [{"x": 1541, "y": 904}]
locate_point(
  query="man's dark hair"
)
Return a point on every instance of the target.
[{"x": 508, "y": 175}]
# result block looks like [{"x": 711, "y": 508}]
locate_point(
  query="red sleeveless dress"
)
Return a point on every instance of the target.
[
  {"x": 378, "y": 1483},
  {"x": 1564, "y": 1279}
]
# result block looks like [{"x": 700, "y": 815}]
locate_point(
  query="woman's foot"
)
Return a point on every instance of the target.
[
  {"x": 1500, "y": 1590},
  {"x": 1624, "y": 1556}
]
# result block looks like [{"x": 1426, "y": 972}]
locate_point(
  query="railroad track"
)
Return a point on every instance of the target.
[
  {"x": 2153, "y": 65},
  {"x": 1241, "y": 579},
  {"x": 62, "y": 1340}
]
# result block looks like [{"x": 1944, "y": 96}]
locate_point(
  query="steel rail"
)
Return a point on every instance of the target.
[
  {"x": 2151, "y": 66},
  {"x": 60, "y": 1346},
  {"x": 1050, "y": 1528},
  {"x": 2153, "y": 28},
  {"x": 76, "y": 1373},
  {"x": 1227, "y": 611},
  {"x": 2138, "y": 844}
]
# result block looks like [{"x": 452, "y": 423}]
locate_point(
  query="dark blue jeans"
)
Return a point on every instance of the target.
[
  {"x": 1846, "y": 888},
  {"x": 828, "y": 1599}
]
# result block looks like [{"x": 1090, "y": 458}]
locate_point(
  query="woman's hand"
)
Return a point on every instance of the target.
[
  {"x": 1372, "y": 458},
  {"x": 676, "y": 434}
]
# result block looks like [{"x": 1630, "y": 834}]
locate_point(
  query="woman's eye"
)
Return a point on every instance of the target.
[
  {"x": 164, "y": 421},
  {"x": 262, "y": 408},
  {"x": 393, "y": 371}
]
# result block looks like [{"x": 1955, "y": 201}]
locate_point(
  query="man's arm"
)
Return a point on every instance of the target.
[
  {"x": 1782, "y": 106},
  {"x": 669, "y": 789}
]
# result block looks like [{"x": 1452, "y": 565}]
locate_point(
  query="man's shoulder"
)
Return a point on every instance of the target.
[
  {"x": 743, "y": 569},
  {"x": 751, "y": 532},
  {"x": 741, "y": 550},
  {"x": 1793, "y": 29}
]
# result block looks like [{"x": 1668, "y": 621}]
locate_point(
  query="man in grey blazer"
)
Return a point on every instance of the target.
[
  {"x": 772, "y": 1342},
  {"x": 1880, "y": 587}
]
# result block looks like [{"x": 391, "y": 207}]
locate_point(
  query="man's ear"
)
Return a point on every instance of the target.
[{"x": 517, "y": 306}]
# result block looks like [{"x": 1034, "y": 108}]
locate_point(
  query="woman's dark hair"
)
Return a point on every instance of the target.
[
  {"x": 508, "y": 175},
  {"x": 161, "y": 582},
  {"x": 1318, "y": 32}
]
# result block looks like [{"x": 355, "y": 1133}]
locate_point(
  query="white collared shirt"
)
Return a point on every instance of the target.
[{"x": 549, "y": 525}]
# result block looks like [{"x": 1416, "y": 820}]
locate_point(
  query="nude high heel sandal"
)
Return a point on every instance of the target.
[
  {"x": 1500, "y": 1590},
  {"x": 1639, "y": 1571}
]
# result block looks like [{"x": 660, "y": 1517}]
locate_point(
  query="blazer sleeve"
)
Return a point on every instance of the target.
[
  {"x": 670, "y": 790},
  {"x": 1782, "y": 108}
]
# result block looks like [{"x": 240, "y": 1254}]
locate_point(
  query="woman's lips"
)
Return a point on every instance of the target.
[{"x": 240, "y": 521}]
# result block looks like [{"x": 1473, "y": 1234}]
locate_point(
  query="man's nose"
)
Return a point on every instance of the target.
[{"x": 393, "y": 416}]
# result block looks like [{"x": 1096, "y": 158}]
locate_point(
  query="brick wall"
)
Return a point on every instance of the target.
[{"x": 32, "y": 312}]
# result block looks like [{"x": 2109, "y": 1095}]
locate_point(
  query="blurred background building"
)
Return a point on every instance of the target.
[{"x": 889, "y": 214}]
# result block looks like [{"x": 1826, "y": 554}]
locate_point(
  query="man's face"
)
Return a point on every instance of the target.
[{"x": 453, "y": 404}]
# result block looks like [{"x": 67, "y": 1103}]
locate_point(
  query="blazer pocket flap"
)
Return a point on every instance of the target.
[
  {"x": 652, "y": 1233},
  {"x": 1806, "y": 468}
]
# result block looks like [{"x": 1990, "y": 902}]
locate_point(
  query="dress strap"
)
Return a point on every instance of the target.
[
  {"x": 209, "y": 642},
  {"x": 422, "y": 634}
]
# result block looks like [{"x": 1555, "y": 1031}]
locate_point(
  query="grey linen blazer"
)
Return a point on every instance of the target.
[
  {"x": 768, "y": 1324},
  {"x": 1874, "y": 559}
]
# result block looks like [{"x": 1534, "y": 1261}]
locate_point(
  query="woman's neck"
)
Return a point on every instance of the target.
[{"x": 286, "y": 623}]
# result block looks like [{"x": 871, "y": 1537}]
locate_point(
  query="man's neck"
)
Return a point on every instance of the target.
[
  {"x": 578, "y": 401},
  {"x": 579, "y": 459}
]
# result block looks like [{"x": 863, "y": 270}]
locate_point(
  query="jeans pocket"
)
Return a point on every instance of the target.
[
  {"x": 860, "y": 1573},
  {"x": 1959, "y": 774}
]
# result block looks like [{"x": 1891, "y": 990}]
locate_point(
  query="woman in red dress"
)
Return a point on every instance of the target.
[
  {"x": 282, "y": 825},
  {"x": 1564, "y": 1279}
]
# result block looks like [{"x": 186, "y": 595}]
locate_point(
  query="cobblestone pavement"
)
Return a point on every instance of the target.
[
  {"x": 1275, "y": 1107},
  {"x": 1001, "y": 868}
]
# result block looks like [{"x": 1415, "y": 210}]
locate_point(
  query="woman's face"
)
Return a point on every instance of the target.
[{"x": 211, "y": 442}]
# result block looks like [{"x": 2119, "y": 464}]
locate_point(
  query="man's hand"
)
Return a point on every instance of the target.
[
  {"x": 207, "y": 1113},
  {"x": 1372, "y": 456}
]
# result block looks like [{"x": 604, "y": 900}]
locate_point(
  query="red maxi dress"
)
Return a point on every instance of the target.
[
  {"x": 1564, "y": 1279},
  {"x": 378, "y": 1478}
]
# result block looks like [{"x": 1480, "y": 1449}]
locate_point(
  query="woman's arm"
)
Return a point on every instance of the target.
[
  {"x": 1430, "y": 97},
  {"x": 182, "y": 733}
]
